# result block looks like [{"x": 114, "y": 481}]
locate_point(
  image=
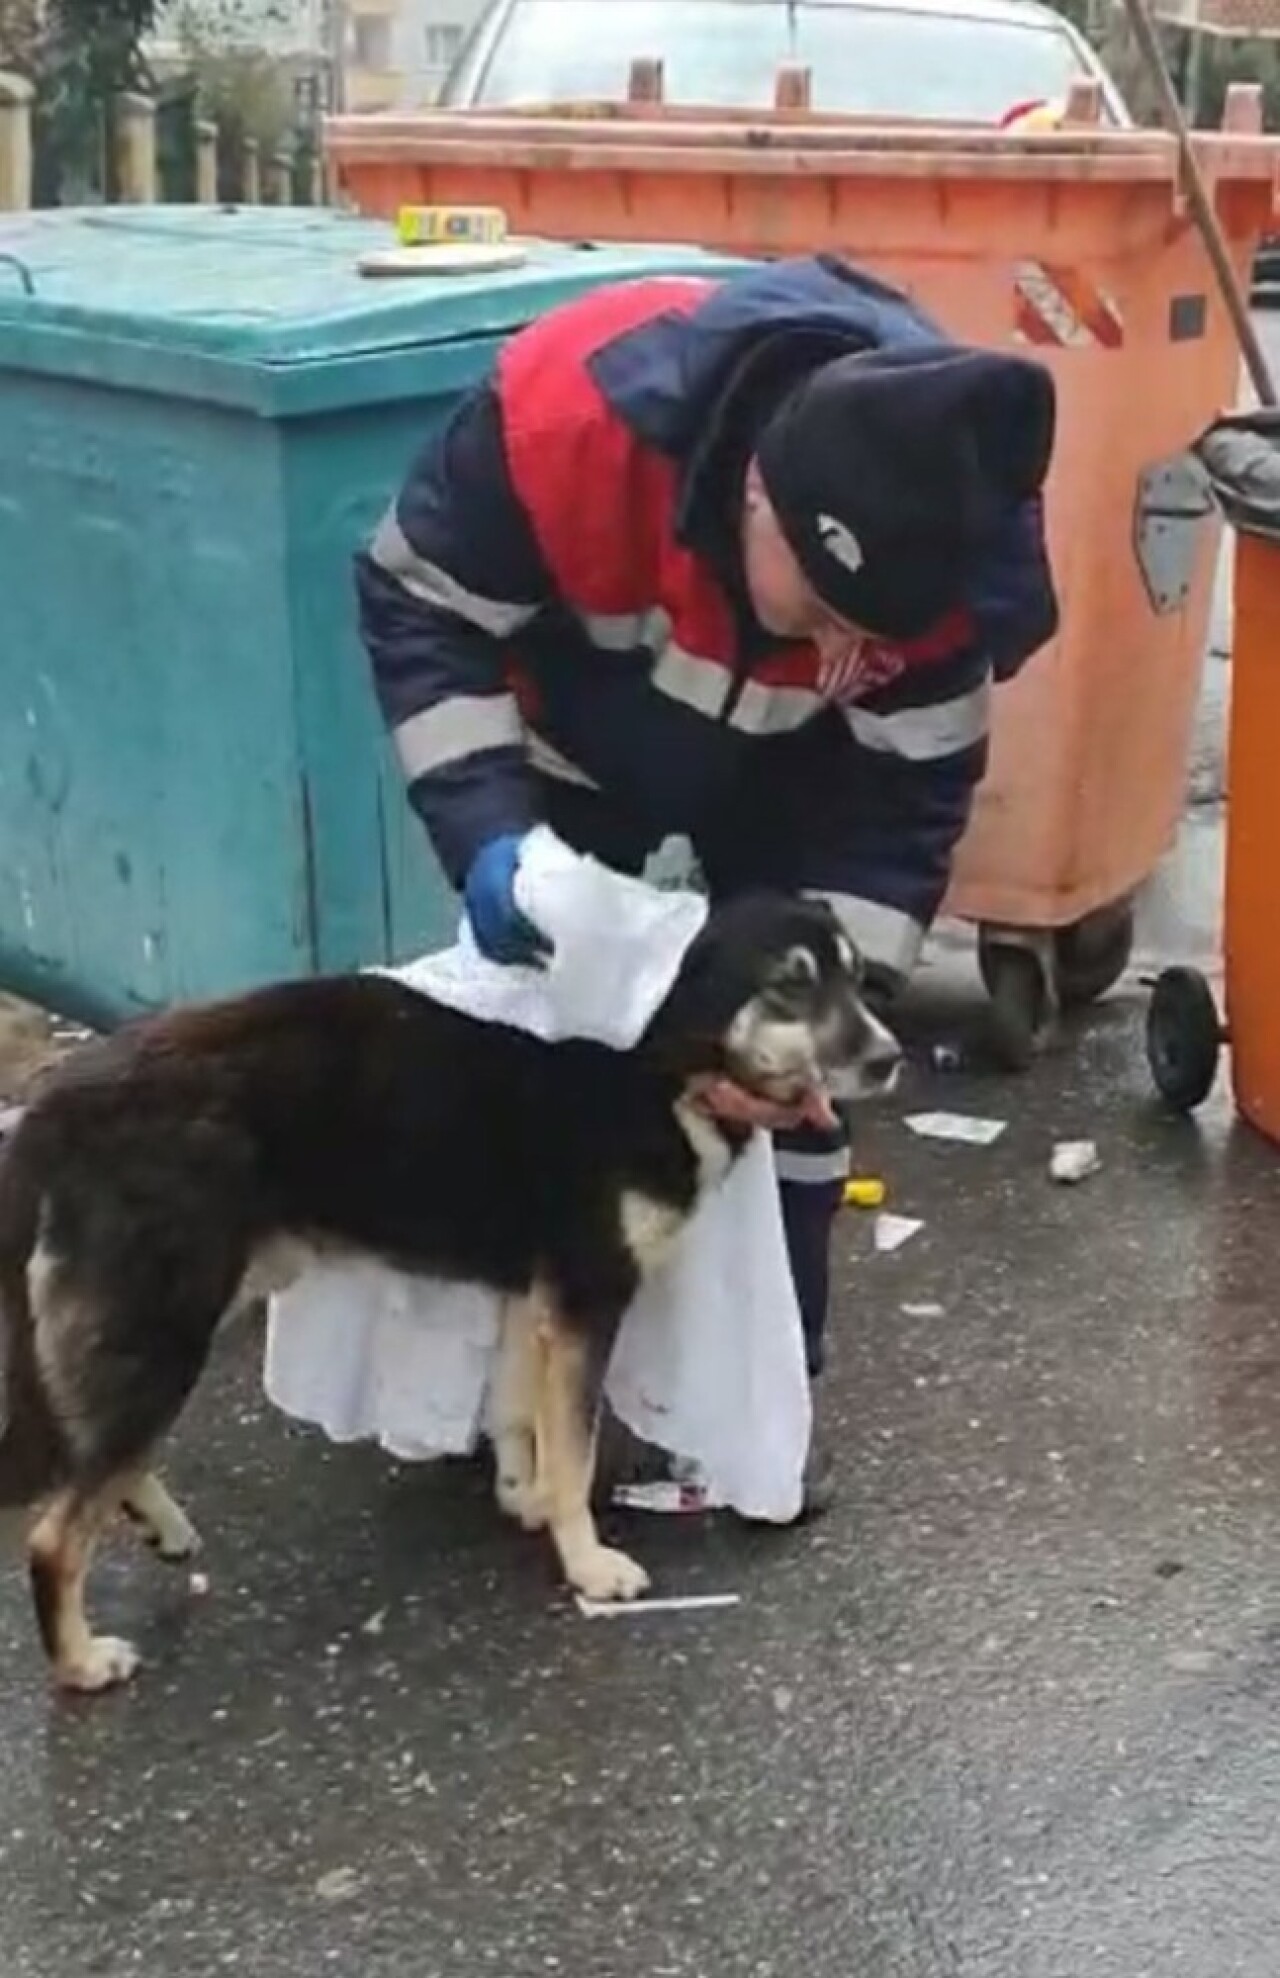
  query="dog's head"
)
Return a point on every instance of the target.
[{"x": 770, "y": 994}]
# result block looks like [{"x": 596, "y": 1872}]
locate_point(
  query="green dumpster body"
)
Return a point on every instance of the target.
[{"x": 202, "y": 415}]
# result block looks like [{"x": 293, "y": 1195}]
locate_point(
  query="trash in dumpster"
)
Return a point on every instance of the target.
[
  {"x": 1074, "y": 1160},
  {"x": 961, "y": 1127}
]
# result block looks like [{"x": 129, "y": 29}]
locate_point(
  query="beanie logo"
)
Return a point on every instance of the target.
[{"x": 840, "y": 542}]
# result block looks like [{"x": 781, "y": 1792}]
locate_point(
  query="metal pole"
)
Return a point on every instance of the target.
[{"x": 1201, "y": 205}]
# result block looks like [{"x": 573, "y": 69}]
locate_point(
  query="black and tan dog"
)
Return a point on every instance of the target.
[{"x": 195, "y": 1161}]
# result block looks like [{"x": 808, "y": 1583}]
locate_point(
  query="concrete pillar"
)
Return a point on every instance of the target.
[
  {"x": 206, "y": 164},
  {"x": 251, "y": 174},
  {"x": 280, "y": 179},
  {"x": 15, "y": 143},
  {"x": 1242, "y": 109},
  {"x": 135, "y": 150},
  {"x": 316, "y": 189},
  {"x": 1084, "y": 101},
  {"x": 646, "y": 81},
  {"x": 793, "y": 87}
]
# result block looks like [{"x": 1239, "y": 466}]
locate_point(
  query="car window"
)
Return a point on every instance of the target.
[
  {"x": 881, "y": 63},
  {"x": 714, "y": 51},
  {"x": 868, "y": 60}
]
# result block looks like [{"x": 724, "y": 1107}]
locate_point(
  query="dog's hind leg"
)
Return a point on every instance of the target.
[
  {"x": 59, "y": 1551},
  {"x": 118, "y": 1351},
  {"x": 571, "y": 1373},
  {"x": 514, "y": 1415},
  {"x": 163, "y": 1523}
]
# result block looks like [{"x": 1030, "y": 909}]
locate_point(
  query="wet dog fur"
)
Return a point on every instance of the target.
[{"x": 196, "y": 1161}]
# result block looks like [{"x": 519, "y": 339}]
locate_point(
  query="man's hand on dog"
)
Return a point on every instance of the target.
[
  {"x": 725, "y": 1100},
  {"x": 502, "y": 932}
]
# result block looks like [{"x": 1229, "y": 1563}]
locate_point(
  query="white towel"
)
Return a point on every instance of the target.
[{"x": 709, "y": 1362}]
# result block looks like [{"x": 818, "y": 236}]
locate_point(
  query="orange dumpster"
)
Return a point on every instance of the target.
[
  {"x": 1184, "y": 1031},
  {"x": 1078, "y": 243}
]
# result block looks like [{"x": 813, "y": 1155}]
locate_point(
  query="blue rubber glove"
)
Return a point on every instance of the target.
[{"x": 501, "y": 931}]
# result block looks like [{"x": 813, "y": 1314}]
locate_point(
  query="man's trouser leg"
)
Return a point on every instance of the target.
[{"x": 811, "y": 1167}]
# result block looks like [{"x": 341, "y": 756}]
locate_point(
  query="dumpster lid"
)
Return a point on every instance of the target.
[
  {"x": 233, "y": 303},
  {"x": 1241, "y": 455}
]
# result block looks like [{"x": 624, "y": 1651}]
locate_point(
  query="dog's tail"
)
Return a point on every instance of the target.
[{"x": 30, "y": 1445}]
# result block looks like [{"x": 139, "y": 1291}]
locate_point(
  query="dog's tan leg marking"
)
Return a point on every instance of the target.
[
  {"x": 515, "y": 1414},
  {"x": 59, "y": 1551},
  {"x": 567, "y": 1421},
  {"x": 164, "y": 1524}
]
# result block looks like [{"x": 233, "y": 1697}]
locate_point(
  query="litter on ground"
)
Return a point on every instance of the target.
[
  {"x": 893, "y": 1231},
  {"x": 676, "y": 1603},
  {"x": 1074, "y": 1160},
  {"x": 962, "y": 1127},
  {"x": 668, "y": 1495}
]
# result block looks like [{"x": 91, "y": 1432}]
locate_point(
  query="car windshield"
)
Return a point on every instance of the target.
[{"x": 868, "y": 60}]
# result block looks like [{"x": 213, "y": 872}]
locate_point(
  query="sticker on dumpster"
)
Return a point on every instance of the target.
[{"x": 1056, "y": 305}]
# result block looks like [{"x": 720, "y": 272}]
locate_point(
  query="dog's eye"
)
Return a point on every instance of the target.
[
  {"x": 850, "y": 959},
  {"x": 798, "y": 965}
]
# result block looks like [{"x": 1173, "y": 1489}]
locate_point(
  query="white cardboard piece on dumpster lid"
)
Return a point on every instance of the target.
[
  {"x": 961, "y": 1127},
  {"x": 709, "y": 1362}
]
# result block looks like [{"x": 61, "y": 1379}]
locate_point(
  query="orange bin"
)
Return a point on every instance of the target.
[
  {"x": 1078, "y": 244},
  {"x": 1252, "y": 932},
  {"x": 1184, "y": 1030}
]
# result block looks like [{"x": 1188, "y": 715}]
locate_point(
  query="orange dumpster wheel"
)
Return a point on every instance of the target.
[
  {"x": 1090, "y": 956},
  {"x": 1021, "y": 1001},
  {"x": 1185, "y": 1036}
]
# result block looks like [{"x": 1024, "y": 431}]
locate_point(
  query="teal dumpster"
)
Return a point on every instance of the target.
[{"x": 202, "y": 413}]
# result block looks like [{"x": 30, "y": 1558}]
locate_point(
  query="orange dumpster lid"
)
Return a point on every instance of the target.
[{"x": 630, "y": 137}]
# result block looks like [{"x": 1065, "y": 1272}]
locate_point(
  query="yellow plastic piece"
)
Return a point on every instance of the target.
[
  {"x": 864, "y": 1192},
  {"x": 450, "y": 226}
]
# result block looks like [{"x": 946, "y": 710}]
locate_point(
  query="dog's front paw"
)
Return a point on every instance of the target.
[
  {"x": 163, "y": 1524},
  {"x": 103, "y": 1665},
  {"x": 523, "y": 1501},
  {"x": 607, "y": 1574},
  {"x": 176, "y": 1543}
]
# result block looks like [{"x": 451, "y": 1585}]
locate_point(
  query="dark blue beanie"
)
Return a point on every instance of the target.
[{"x": 890, "y": 471}]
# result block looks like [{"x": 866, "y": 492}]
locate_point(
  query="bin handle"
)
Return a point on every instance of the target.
[{"x": 25, "y": 275}]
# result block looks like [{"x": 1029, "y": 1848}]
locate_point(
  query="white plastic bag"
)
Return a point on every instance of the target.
[{"x": 710, "y": 1360}]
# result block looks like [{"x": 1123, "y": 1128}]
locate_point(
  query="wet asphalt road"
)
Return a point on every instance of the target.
[{"x": 1008, "y": 1713}]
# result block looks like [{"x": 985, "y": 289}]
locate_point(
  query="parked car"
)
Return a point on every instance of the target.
[{"x": 975, "y": 60}]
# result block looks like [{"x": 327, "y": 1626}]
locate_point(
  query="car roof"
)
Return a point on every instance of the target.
[{"x": 1027, "y": 13}]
